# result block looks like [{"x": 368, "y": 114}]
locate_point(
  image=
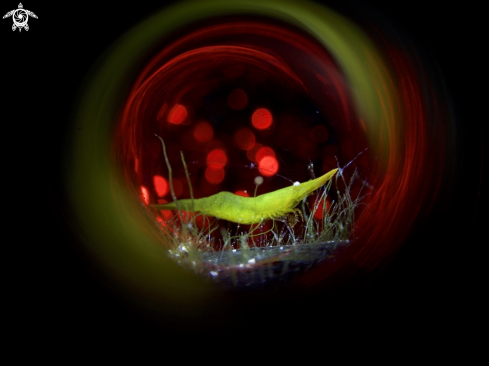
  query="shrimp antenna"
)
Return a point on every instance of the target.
[{"x": 352, "y": 160}]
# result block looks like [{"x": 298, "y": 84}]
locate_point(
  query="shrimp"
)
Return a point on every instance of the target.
[{"x": 250, "y": 210}]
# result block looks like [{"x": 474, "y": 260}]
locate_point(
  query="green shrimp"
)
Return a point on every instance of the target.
[{"x": 251, "y": 210}]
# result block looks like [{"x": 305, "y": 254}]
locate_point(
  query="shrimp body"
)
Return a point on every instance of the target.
[{"x": 251, "y": 210}]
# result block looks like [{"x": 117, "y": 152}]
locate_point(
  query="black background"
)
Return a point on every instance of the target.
[{"x": 432, "y": 287}]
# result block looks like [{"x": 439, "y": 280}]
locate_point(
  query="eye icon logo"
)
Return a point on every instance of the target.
[{"x": 20, "y": 17}]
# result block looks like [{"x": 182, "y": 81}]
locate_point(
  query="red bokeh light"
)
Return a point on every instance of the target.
[
  {"x": 264, "y": 152},
  {"x": 166, "y": 214},
  {"x": 216, "y": 159},
  {"x": 237, "y": 99},
  {"x": 161, "y": 185},
  {"x": 261, "y": 119},
  {"x": 161, "y": 221},
  {"x": 268, "y": 166},
  {"x": 145, "y": 194},
  {"x": 177, "y": 114},
  {"x": 203, "y": 131},
  {"x": 245, "y": 138},
  {"x": 251, "y": 153},
  {"x": 318, "y": 214},
  {"x": 214, "y": 176}
]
